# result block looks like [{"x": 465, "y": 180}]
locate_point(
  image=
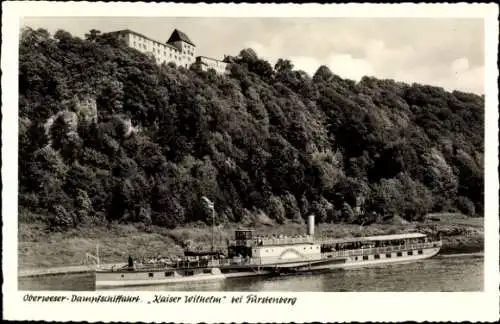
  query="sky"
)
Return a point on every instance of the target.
[{"x": 446, "y": 52}]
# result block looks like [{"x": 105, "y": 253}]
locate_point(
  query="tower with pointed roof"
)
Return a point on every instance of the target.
[{"x": 187, "y": 49}]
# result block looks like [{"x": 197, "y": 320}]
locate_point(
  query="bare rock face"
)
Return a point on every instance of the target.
[
  {"x": 71, "y": 120},
  {"x": 85, "y": 108},
  {"x": 82, "y": 109},
  {"x": 68, "y": 119},
  {"x": 120, "y": 127}
]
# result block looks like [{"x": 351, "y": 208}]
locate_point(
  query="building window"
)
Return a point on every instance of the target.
[
  {"x": 388, "y": 255},
  {"x": 410, "y": 252},
  {"x": 399, "y": 254},
  {"x": 150, "y": 275},
  {"x": 356, "y": 258},
  {"x": 365, "y": 257},
  {"x": 420, "y": 252},
  {"x": 169, "y": 274},
  {"x": 377, "y": 256},
  {"x": 123, "y": 276}
]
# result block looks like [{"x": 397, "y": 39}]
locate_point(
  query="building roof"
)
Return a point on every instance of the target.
[
  {"x": 128, "y": 31},
  {"x": 177, "y": 35},
  {"x": 209, "y": 58}
]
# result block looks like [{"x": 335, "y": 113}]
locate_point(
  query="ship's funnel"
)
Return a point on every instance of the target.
[{"x": 310, "y": 225}]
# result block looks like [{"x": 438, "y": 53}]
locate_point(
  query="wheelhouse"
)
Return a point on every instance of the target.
[{"x": 242, "y": 244}]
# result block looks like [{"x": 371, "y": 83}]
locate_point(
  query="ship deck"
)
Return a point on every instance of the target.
[{"x": 245, "y": 264}]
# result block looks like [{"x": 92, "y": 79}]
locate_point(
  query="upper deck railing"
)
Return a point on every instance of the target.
[
  {"x": 385, "y": 249},
  {"x": 267, "y": 241}
]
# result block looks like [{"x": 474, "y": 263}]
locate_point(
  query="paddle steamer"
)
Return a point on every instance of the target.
[{"x": 251, "y": 255}]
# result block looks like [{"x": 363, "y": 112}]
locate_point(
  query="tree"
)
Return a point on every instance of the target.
[
  {"x": 63, "y": 37},
  {"x": 248, "y": 55},
  {"x": 283, "y": 66},
  {"x": 323, "y": 74},
  {"x": 276, "y": 210},
  {"x": 93, "y": 35}
]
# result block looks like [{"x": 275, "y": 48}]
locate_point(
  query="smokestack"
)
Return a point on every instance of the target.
[{"x": 310, "y": 225}]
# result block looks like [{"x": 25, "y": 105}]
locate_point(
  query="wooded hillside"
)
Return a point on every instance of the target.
[{"x": 105, "y": 134}]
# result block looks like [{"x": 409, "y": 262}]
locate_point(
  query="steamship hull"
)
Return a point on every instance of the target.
[
  {"x": 123, "y": 278},
  {"x": 107, "y": 279},
  {"x": 361, "y": 261}
]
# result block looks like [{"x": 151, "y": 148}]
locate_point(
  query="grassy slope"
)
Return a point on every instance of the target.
[{"x": 38, "y": 248}]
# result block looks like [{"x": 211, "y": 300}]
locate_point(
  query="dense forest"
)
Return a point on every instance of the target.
[{"x": 107, "y": 135}]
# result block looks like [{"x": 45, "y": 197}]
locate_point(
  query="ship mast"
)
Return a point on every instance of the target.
[{"x": 213, "y": 227}]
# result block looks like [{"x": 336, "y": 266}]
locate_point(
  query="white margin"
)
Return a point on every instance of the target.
[{"x": 321, "y": 307}]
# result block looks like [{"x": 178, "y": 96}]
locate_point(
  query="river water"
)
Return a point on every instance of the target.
[{"x": 454, "y": 272}]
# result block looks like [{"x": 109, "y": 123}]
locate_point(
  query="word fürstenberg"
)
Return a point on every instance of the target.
[
  {"x": 254, "y": 299},
  {"x": 80, "y": 299}
]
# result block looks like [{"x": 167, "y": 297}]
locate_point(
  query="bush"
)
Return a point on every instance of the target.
[
  {"x": 348, "y": 214},
  {"x": 276, "y": 210},
  {"x": 466, "y": 206},
  {"x": 291, "y": 209},
  {"x": 62, "y": 219}
]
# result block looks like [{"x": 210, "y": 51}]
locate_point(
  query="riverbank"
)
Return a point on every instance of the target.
[{"x": 39, "y": 249}]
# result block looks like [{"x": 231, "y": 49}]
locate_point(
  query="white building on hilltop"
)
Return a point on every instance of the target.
[
  {"x": 206, "y": 63},
  {"x": 178, "y": 49}
]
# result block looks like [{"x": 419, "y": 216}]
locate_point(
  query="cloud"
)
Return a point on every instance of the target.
[
  {"x": 348, "y": 67},
  {"x": 460, "y": 65},
  {"x": 466, "y": 79},
  {"x": 341, "y": 64},
  {"x": 305, "y": 63}
]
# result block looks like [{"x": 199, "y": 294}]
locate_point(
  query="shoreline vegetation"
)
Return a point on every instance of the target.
[{"x": 41, "y": 249}]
